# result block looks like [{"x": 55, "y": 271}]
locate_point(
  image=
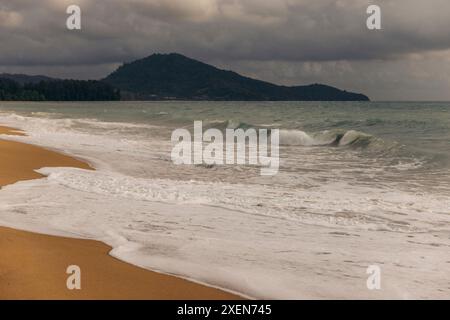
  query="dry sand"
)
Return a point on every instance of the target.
[{"x": 33, "y": 266}]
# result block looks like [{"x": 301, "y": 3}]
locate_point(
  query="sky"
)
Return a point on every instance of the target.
[{"x": 289, "y": 42}]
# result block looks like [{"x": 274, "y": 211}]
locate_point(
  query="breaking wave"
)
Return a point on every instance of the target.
[{"x": 338, "y": 138}]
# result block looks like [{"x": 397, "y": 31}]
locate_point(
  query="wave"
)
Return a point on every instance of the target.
[
  {"x": 359, "y": 139},
  {"x": 370, "y": 122},
  {"x": 56, "y": 122},
  {"x": 396, "y": 153},
  {"x": 328, "y": 138},
  {"x": 41, "y": 127},
  {"x": 288, "y": 137},
  {"x": 228, "y": 124},
  {"x": 301, "y": 138},
  {"x": 337, "y": 138}
]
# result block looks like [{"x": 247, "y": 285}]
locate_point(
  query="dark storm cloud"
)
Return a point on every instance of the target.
[{"x": 286, "y": 39}]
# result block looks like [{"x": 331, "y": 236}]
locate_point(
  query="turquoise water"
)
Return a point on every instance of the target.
[{"x": 420, "y": 128}]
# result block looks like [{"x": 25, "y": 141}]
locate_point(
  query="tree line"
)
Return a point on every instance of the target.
[{"x": 58, "y": 90}]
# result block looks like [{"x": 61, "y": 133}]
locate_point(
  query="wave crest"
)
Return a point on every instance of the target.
[{"x": 335, "y": 138}]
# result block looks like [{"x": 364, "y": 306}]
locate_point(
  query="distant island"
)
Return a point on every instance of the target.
[
  {"x": 176, "y": 77},
  {"x": 165, "y": 77}
]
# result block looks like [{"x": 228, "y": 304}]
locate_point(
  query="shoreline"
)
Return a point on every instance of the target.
[{"x": 33, "y": 265}]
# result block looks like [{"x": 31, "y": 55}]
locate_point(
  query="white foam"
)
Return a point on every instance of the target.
[
  {"x": 301, "y": 138},
  {"x": 287, "y": 237}
]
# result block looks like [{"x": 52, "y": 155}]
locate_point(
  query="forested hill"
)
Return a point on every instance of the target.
[
  {"x": 57, "y": 90},
  {"x": 165, "y": 77},
  {"x": 24, "y": 79},
  {"x": 174, "y": 76}
]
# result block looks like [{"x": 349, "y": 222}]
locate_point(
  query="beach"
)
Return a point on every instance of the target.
[
  {"x": 33, "y": 266},
  {"x": 360, "y": 187}
]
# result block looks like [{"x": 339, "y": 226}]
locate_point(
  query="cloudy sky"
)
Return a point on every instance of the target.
[{"x": 288, "y": 42}]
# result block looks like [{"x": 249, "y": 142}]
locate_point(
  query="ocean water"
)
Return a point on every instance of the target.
[{"x": 359, "y": 184}]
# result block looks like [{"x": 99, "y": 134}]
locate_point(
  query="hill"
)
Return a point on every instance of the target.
[
  {"x": 177, "y": 77},
  {"x": 25, "y": 79}
]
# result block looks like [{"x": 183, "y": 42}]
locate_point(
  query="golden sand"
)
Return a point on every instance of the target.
[
  {"x": 19, "y": 160},
  {"x": 33, "y": 266}
]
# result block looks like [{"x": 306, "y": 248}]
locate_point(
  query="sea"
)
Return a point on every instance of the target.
[{"x": 360, "y": 184}]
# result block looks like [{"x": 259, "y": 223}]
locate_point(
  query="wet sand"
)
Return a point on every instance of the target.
[{"x": 33, "y": 266}]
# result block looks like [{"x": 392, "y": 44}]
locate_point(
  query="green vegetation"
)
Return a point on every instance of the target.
[
  {"x": 165, "y": 77},
  {"x": 57, "y": 90},
  {"x": 174, "y": 76},
  {"x": 13, "y": 91}
]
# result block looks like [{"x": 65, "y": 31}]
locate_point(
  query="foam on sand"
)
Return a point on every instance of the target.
[
  {"x": 309, "y": 232},
  {"x": 40, "y": 261}
]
